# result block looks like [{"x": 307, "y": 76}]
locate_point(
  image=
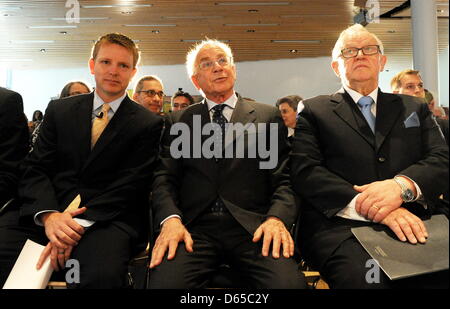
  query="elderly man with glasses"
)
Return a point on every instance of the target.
[
  {"x": 216, "y": 210},
  {"x": 363, "y": 157}
]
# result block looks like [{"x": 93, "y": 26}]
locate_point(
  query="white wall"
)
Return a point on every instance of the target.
[
  {"x": 37, "y": 87},
  {"x": 264, "y": 81},
  {"x": 443, "y": 78}
]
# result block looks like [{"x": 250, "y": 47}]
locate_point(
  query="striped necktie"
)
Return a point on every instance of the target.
[{"x": 99, "y": 124}]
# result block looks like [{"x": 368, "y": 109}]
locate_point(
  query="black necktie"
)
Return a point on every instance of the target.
[
  {"x": 220, "y": 119},
  {"x": 218, "y": 116}
]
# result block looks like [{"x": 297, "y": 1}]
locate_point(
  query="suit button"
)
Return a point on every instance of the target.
[{"x": 381, "y": 159}]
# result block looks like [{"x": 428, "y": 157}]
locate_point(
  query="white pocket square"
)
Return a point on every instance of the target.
[{"x": 412, "y": 121}]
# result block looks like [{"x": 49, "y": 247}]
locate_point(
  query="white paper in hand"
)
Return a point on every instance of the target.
[{"x": 24, "y": 274}]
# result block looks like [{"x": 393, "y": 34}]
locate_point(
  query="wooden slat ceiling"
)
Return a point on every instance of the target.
[{"x": 247, "y": 26}]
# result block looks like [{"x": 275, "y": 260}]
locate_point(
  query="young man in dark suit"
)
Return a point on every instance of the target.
[
  {"x": 92, "y": 160},
  {"x": 361, "y": 156},
  {"x": 222, "y": 209}
]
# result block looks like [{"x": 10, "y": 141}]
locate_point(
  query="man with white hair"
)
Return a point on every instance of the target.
[
  {"x": 216, "y": 210},
  {"x": 362, "y": 157}
]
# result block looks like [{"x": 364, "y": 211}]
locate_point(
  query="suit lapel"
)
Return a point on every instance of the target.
[
  {"x": 200, "y": 109},
  {"x": 347, "y": 110},
  {"x": 243, "y": 113},
  {"x": 389, "y": 108},
  {"x": 83, "y": 115},
  {"x": 188, "y": 118},
  {"x": 122, "y": 117}
]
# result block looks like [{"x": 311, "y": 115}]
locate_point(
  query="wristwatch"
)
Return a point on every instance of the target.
[{"x": 407, "y": 194}]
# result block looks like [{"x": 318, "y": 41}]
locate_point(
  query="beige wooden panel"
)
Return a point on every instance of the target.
[{"x": 249, "y": 29}]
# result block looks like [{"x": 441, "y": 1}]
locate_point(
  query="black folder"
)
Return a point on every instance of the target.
[{"x": 402, "y": 259}]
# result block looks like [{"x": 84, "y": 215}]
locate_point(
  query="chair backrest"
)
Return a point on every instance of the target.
[{"x": 5, "y": 207}]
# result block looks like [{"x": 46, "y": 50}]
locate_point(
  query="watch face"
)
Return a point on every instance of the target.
[{"x": 408, "y": 195}]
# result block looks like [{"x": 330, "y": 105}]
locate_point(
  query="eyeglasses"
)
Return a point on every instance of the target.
[
  {"x": 352, "y": 52},
  {"x": 206, "y": 65},
  {"x": 152, "y": 93}
]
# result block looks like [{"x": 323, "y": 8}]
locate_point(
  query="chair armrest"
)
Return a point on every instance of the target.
[{"x": 6, "y": 206}]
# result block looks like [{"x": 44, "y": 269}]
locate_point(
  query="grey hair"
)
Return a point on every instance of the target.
[
  {"x": 353, "y": 30},
  {"x": 140, "y": 83},
  {"x": 191, "y": 57}
]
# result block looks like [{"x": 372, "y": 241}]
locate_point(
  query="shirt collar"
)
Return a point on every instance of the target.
[
  {"x": 356, "y": 95},
  {"x": 231, "y": 102},
  {"x": 114, "y": 104}
]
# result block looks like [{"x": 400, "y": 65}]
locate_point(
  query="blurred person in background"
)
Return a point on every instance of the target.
[{"x": 181, "y": 100}]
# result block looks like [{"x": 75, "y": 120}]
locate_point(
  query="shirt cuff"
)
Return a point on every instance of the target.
[
  {"x": 172, "y": 216},
  {"x": 38, "y": 219},
  {"x": 349, "y": 212},
  {"x": 83, "y": 222}
]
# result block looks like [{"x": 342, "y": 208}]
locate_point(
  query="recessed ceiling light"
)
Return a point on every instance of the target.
[
  {"x": 296, "y": 41},
  {"x": 253, "y": 3},
  {"x": 251, "y": 25},
  {"x": 192, "y": 17},
  {"x": 154, "y": 25},
  {"x": 16, "y": 60},
  {"x": 10, "y": 8},
  {"x": 195, "y": 41},
  {"x": 32, "y": 41},
  {"x": 309, "y": 15},
  {"x": 43, "y": 50},
  {"x": 107, "y": 6},
  {"x": 52, "y": 27},
  {"x": 81, "y": 18}
]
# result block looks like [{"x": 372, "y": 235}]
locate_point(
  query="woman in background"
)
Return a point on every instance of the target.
[
  {"x": 71, "y": 89},
  {"x": 74, "y": 88}
]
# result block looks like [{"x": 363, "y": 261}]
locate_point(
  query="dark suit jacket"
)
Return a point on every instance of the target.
[
  {"x": 13, "y": 142},
  {"x": 187, "y": 186},
  {"x": 443, "y": 124},
  {"x": 112, "y": 178},
  {"x": 335, "y": 149}
]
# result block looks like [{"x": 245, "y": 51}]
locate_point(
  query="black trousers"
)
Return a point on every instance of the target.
[
  {"x": 103, "y": 252},
  {"x": 346, "y": 269},
  {"x": 218, "y": 239}
]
